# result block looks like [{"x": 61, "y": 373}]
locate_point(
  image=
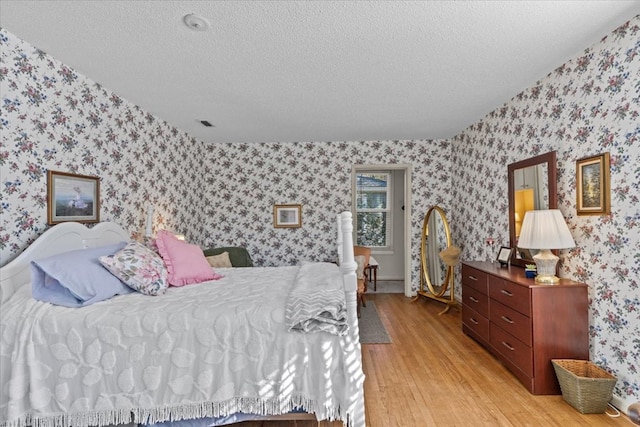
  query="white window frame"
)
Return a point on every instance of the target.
[{"x": 388, "y": 248}]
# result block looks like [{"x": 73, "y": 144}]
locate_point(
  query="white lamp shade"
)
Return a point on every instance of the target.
[{"x": 545, "y": 229}]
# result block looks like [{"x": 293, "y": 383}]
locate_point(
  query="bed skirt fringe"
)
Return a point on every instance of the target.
[
  {"x": 182, "y": 412},
  {"x": 94, "y": 418}
]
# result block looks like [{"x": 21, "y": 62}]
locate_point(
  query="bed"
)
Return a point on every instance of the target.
[{"x": 207, "y": 350}]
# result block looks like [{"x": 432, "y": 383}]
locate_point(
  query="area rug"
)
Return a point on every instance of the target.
[
  {"x": 372, "y": 331},
  {"x": 386, "y": 287}
]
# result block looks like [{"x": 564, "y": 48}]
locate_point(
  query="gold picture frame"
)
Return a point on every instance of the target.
[
  {"x": 593, "y": 185},
  {"x": 287, "y": 216},
  {"x": 72, "y": 197}
]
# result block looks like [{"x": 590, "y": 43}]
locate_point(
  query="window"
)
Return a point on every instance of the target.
[{"x": 373, "y": 209}]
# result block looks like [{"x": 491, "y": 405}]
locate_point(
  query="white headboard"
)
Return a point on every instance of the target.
[{"x": 61, "y": 238}]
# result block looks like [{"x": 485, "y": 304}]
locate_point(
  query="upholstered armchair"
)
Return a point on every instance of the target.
[{"x": 362, "y": 255}]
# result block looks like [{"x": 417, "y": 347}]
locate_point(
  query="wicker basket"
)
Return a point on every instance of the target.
[{"x": 584, "y": 385}]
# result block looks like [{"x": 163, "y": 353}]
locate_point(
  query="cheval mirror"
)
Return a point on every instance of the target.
[
  {"x": 532, "y": 186},
  {"x": 436, "y": 276}
]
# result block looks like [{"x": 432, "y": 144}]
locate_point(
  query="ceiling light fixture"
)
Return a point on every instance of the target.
[{"x": 195, "y": 22}]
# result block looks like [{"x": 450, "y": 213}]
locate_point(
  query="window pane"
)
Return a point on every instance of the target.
[
  {"x": 373, "y": 209},
  {"x": 371, "y": 229},
  {"x": 371, "y": 190},
  {"x": 370, "y": 200},
  {"x": 361, "y": 200}
]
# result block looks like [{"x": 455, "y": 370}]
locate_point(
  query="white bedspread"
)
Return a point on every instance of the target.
[
  {"x": 210, "y": 349},
  {"x": 317, "y": 303}
]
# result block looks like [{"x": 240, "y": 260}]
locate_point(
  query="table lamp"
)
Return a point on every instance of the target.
[{"x": 545, "y": 230}]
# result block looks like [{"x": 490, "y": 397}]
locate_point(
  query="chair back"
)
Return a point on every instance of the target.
[
  {"x": 364, "y": 251},
  {"x": 362, "y": 280}
]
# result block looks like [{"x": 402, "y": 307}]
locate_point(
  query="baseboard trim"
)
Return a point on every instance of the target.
[{"x": 621, "y": 403}]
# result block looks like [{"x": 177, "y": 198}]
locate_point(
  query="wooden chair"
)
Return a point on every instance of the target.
[{"x": 362, "y": 277}]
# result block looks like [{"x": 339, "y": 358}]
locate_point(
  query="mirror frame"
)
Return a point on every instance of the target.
[
  {"x": 552, "y": 182},
  {"x": 430, "y": 291},
  {"x": 435, "y": 210}
]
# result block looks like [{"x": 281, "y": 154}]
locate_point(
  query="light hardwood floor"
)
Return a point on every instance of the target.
[{"x": 434, "y": 375}]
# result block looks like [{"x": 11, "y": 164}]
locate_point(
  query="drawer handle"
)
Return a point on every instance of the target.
[
  {"x": 474, "y": 299},
  {"x": 473, "y": 278},
  {"x": 508, "y": 346},
  {"x": 474, "y": 321},
  {"x": 506, "y": 292},
  {"x": 506, "y": 319}
]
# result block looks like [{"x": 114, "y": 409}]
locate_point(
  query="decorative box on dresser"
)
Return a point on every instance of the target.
[{"x": 525, "y": 324}]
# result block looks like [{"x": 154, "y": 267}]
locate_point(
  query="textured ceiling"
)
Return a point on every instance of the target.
[{"x": 316, "y": 71}]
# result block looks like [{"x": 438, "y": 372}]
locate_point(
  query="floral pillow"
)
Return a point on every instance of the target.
[{"x": 139, "y": 268}]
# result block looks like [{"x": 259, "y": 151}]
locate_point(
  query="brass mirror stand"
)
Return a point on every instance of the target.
[{"x": 436, "y": 275}]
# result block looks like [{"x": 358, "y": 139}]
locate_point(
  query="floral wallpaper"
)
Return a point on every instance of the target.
[
  {"x": 223, "y": 194},
  {"x": 587, "y": 106},
  {"x": 244, "y": 181},
  {"x": 54, "y": 118}
]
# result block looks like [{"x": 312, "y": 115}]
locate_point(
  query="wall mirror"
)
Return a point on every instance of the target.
[
  {"x": 436, "y": 275},
  {"x": 532, "y": 186}
]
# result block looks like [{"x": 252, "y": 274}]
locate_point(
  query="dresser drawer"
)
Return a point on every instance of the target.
[
  {"x": 512, "y": 349},
  {"x": 511, "y": 295},
  {"x": 476, "y": 322},
  {"x": 529, "y": 324},
  {"x": 512, "y": 322},
  {"x": 475, "y": 300},
  {"x": 474, "y": 278}
]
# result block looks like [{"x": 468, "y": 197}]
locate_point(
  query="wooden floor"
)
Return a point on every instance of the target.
[{"x": 434, "y": 375}]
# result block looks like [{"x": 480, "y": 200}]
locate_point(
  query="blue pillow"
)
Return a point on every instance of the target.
[{"x": 76, "y": 278}]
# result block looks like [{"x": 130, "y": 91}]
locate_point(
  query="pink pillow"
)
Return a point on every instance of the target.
[{"x": 186, "y": 264}]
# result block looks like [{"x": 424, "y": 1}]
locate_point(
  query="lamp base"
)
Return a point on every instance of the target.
[{"x": 546, "y": 263}]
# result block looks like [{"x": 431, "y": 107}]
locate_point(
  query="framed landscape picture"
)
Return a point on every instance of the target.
[
  {"x": 72, "y": 197},
  {"x": 592, "y": 185},
  {"x": 287, "y": 216}
]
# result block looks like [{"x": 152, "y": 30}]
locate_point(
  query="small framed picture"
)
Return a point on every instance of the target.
[
  {"x": 592, "y": 185},
  {"x": 72, "y": 197},
  {"x": 287, "y": 216},
  {"x": 504, "y": 255}
]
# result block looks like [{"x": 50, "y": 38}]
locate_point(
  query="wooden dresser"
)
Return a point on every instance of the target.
[{"x": 524, "y": 324}]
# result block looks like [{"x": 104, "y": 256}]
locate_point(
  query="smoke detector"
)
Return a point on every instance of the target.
[{"x": 195, "y": 22}]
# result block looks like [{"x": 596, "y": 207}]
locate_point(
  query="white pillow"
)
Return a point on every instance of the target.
[
  {"x": 219, "y": 261},
  {"x": 360, "y": 270}
]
